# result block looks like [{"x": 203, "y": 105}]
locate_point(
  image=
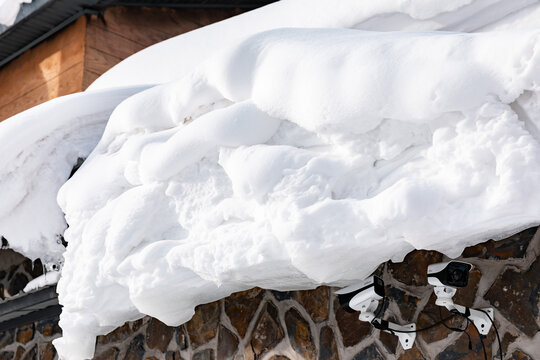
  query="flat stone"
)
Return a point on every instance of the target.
[
  {"x": 506, "y": 340},
  {"x": 17, "y": 284},
  {"x": 47, "y": 351},
  {"x": 25, "y": 333},
  {"x": 267, "y": 333},
  {"x": 371, "y": 353},
  {"x": 227, "y": 344},
  {"x": 181, "y": 337},
  {"x": 512, "y": 247},
  {"x": 207, "y": 354},
  {"x": 19, "y": 353},
  {"x": 430, "y": 315},
  {"x": 204, "y": 324},
  {"x": 413, "y": 269},
  {"x": 520, "y": 355},
  {"x": 460, "y": 349},
  {"x": 117, "y": 335},
  {"x": 31, "y": 354},
  {"x": 136, "y": 349},
  {"x": 6, "y": 338},
  {"x": 33, "y": 268},
  {"x": 173, "y": 355},
  {"x": 109, "y": 354},
  {"x": 6, "y": 355},
  {"x": 282, "y": 295},
  {"x": 300, "y": 335},
  {"x": 316, "y": 302},
  {"x": 406, "y": 302},
  {"x": 389, "y": 341},
  {"x": 151, "y": 358},
  {"x": 48, "y": 328},
  {"x": 516, "y": 295},
  {"x": 279, "y": 357},
  {"x": 158, "y": 335},
  {"x": 241, "y": 307},
  {"x": 328, "y": 349},
  {"x": 412, "y": 354},
  {"x": 352, "y": 330}
]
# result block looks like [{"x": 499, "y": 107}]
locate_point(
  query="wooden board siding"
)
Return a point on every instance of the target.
[
  {"x": 125, "y": 30},
  {"x": 51, "y": 69}
]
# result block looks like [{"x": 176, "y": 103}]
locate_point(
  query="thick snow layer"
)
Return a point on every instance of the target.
[
  {"x": 284, "y": 160},
  {"x": 9, "y": 10},
  {"x": 300, "y": 157},
  {"x": 49, "y": 278},
  {"x": 39, "y": 148},
  {"x": 379, "y": 15}
]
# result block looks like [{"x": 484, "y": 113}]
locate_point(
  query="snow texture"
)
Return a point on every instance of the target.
[
  {"x": 285, "y": 151},
  {"x": 49, "y": 278},
  {"x": 9, "y": 10}
]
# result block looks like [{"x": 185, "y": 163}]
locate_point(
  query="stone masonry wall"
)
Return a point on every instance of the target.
[{"x": 269, "y": 325}]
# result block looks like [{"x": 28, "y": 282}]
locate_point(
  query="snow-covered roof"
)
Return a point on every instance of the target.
[{"x": 303, "y": 152}]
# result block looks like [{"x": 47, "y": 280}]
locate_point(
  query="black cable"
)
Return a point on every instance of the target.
[
  {"x": 479, "y": 335},
  {"x": 458, "y": 329},
  {"x": 496, "y": 332},
  {"x": 380, "y": 327}
]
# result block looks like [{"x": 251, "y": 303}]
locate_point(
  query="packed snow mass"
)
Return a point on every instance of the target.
[{"x": 300, "y": 144}]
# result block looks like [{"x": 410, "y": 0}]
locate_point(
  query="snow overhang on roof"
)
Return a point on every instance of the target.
[{"x": 40, "y": 19}]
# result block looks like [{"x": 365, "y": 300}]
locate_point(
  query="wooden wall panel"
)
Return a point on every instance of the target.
[
  {"x": 51, "y": 69},
  {"x": 125, "y": 30}
]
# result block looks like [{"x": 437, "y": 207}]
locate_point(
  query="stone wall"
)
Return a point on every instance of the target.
[
  {"x": 15, "y": 272},
  {"x": 270, "y": 325}
]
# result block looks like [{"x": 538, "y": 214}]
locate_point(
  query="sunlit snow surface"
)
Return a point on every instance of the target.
[{"x": 287, "y": 159}]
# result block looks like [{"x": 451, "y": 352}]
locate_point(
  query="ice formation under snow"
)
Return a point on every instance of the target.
[{"x": 289, "y": 158}]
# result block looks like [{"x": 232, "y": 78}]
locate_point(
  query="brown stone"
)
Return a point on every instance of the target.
[
  {"x": 406, "y": 302},
  {"x": 151, "y": 358},
  {"x": 227, "y": 344},
  {"x": 203, "y": 325},
  {"x": 19, "y": 353},
  {"x": 300, "y": 335},
  {"x": 181, "y": 337},
  {"x": 266, "y": 335},
  {"x": 173, "y": 355},
  {"x": 117, "y": 335},
  {"x": 389, "y": 341},
  {"x": 109, "y": 354},
  {"x": 520, "y": 355},
  {"x": 158, "y": 335},
  {"x": 328, "y": 349},
  {"x": 136, "y": 349},
  {"x": 506, "y": 340},
  {"x": 25, "y": 333},
  {"x": 516, "y": 295},
  {"x": 207, "y": 354},
  {"x": 371, "y": 352},
  {"x": 412, "y": 354},
  {"x": 413, "y": 269},
  {"x": 6, "y": 338},
  {"x": 241, "y": 307},
  {"x": 48, "y": 328},
  {"x": 460, "y": 349},
  {"x": 6, "y": 355},
  {"x": 430, "y": 315},
  {"x": 352, "y": 330},
  {"x": 315, "y": 302},
  {"x": 514, "y": 246},
  {"x": 279, "y": 357},
  {"x": 47, "y": 351},
  {"x": 31, "y": 354}
]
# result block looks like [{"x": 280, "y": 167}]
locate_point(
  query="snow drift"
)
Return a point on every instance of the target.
[
  {"x": 288, "y": 159},
  {"x": 301, "y": 157}
]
